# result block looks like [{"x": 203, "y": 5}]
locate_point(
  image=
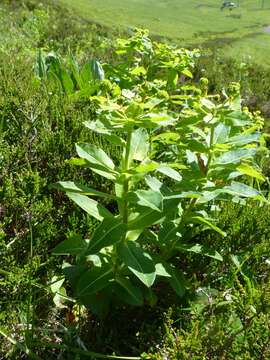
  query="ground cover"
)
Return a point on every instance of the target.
[{"x": 241, "y": 33}]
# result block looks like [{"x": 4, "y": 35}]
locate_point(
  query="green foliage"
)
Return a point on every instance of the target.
[
  {"x": 69, "y": 79},
  {"x": 180, "y": 154}
]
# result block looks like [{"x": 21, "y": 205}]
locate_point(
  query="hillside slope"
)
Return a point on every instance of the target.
[{"x": 242, "y": 31}]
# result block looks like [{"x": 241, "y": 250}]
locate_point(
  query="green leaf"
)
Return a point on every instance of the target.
[
  {"x": 196, "y": 146},
  {"x": 97, "y": 126},
  {"x": 152, "y": 120},
  {"x": 99, "y": 303},
  {"x": 172, "y": 78},
  {"x": 74, "y": 245},
  {"x": 114, "y": 139},
  {"x": 151, "y": 217},
  {"x": 239, "y": 189},
  {"x": 86, "y": 74},
  {"x": 94, "y": 280},
  {"x": 244, "y": 139},
  {"x": 221, "y": 133},
  {"x": 201, "y": 220},
  {"x": 40, "y": 66},
  {"x": 73, "y": 272},
  {"x": 94, "y": 155},
  {"x": 167, "y": 233},
  {"x": 98, "y": 160},
  {"x": 66, "y": 82},
  {"x": 183, "y": 195},
  {"x": 58, "y": 73},
  {"x": 91, "y": 206},
  {"x": 161, "y": 270},
  {"x": 187, "y": 73},
  {"x": 73, "y": 65},
  {"x": 60, "y": 297},
  {"x": 99, "y": 169},
  {"x": 71, "y": 186},
  {"x": 200, "y": 249},
  {"x": 129, "y": 293},
  {"x": 147, "y": 218},
  {"x": 147, "y": 198},
  {"x": 176, "y": 279},
  {"x": 109, "y": 232},
  {"x": 100, "y": 128},
  {"x": 207, "y": 103},
  {"x": 97, "y": 70},
  {"x": 250, "y": 171},
  {"x": 139, "y": 146},
  {"x": 234, "y": 156},
  {"x": 92, "y": 71},
  {"x": 56, "y": 284},
  {"x": 157, "y": 185},
  {"x": 138, "y": 261},
  {"x": 138, "y": 70},
  {"x": 145, "y": 167},
  {"x": 171, "y": 173}
]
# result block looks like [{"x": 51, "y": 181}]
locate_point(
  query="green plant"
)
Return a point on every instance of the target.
[
  {"x": 70, "y": 79},
  {"x": 181, "y": 154}
]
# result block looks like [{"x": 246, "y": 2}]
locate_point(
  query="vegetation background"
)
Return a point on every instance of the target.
[
  {"x": 227, "y": 316},
  {"x": 242, "y": 33}
]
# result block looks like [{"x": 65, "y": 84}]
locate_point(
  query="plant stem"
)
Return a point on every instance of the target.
[
  {"x": 90, "y": 354},
  {"x": 20, "y": 346},
  {"x": 126, "y": 181},
  {"x": 210, "y": 147},
  {"x": 29, "y": 327}
]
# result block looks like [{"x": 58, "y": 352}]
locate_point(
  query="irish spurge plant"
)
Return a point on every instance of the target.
[{"x": 182, "y": 153}]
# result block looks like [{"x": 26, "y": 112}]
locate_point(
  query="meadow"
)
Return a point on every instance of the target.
[
  {"x": 241, "y": 33},
  {"x": 157, "y": 154}
]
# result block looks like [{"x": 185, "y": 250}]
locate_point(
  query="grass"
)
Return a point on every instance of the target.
[{"x": 192, "y": 22}]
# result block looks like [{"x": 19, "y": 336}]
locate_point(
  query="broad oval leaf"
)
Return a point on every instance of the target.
[
  {"x": 100, "y": 128},
  {"x": 109, "y": 232},
  {"x": 234, "y": 156},
  {"x": 91, "y": 206},
  {"x": 244, "y": 139},
  {"x": 248, "y": 170},
  {"x": 139, "y": 146},
  {"x": 239, "y": 189},
  {"x": 74, "y": 245},
  {"x": 147, "y": 198},
  {"x": 167, "y": 233},
  {"x": 94, "y": 155},
  {"x": 221, "y": 133},
  {"x": 161, "y": 270},
  {"x": 138, "y": 261},
  {"x": 171, "y": 173},
  {"x": 94, "y": 280},
  {"x": 176, "y": 279},
  {"x": 129, "y": 293}
]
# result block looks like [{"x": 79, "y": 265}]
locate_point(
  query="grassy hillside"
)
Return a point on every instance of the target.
[{"x": 241, "y": 32}]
